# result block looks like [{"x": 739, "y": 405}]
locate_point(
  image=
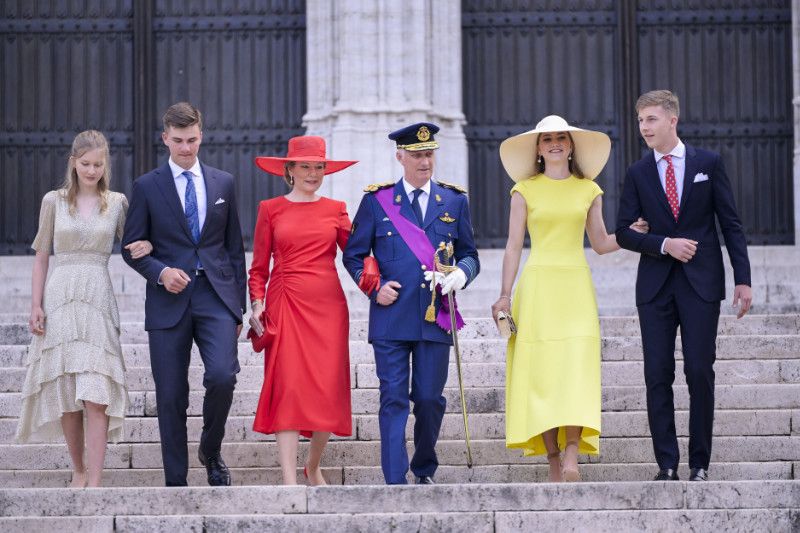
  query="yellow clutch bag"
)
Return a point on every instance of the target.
[{"x": 506, "y": 325}]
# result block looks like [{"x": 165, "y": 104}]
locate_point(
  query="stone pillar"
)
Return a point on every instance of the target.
[
  {"x": 375, "y": 66},
  {"x": 796, "y": 102}
]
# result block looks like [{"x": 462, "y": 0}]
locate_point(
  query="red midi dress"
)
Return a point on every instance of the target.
[{"x": 307, "y": 362}]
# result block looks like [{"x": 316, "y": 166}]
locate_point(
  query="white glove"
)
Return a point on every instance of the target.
[
  {"x": 454, "y": 281},
  {"x": 435, "y": 278}
]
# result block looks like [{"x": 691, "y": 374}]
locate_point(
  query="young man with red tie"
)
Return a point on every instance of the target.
[{"x": 682, "y": 191}]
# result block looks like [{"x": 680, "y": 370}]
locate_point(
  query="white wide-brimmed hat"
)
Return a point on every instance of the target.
[{"x": 591, "y": 150}]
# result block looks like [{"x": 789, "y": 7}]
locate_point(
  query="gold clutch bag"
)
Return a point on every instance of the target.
[{"x": 506, "y": 325}]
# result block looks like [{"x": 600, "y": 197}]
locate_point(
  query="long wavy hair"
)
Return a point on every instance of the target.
[{"x": 84, "y": 142}]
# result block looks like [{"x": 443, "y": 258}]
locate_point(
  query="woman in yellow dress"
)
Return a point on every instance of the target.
[{"x": 553, "y": 360}]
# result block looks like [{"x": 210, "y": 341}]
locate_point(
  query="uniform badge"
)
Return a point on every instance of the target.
[
  {"x": 447, "y": 218},
  {"x": 423, "y": 134},
  {"x": 397, "y": 199},
  {"x": 438, "y": 198}
]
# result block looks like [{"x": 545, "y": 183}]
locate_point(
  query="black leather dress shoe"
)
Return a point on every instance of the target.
[
  {"x": 698, "y": 474},
  {"x": 217, "y": 470},
  {"x": 425, "y": 480},
  {"x": 667, "y": 474}
]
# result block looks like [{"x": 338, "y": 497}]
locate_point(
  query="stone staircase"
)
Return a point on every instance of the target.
[{"x": 755, "y": 462}]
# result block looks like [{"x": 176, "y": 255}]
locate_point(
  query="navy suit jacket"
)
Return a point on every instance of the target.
[
  {"x": 156, "y": 214},
  {"x": 373, "y": 231},
  {"x": 702, "y": 201}
]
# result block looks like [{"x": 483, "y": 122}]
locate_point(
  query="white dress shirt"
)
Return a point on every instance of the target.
[
  {"x": 678, "y": 163},
  {"x": 423, "y": 198},
  {"x": 199, "y": 190},
  {"x": 679, "y": 166},
  {"x": 199, "y": 187}
]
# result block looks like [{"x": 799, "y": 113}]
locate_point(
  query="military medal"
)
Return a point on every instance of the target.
[{"x": 447, "y": 218}]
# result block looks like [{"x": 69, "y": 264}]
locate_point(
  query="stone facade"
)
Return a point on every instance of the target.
[
  {"x": 796, "y": 101},
  {"x": 374, "y": 67},
  {"x": 360, "y": 87}
]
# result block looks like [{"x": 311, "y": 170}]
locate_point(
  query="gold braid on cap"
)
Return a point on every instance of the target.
[{"x": 416, "y": 147}]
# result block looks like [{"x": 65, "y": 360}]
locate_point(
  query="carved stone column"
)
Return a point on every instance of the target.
[{"x": 375, "y": 66}]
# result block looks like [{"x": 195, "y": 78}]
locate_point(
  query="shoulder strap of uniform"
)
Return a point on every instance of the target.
[
  {"x": 375, "y": 187},
  {"x": 452, "y": 186}
]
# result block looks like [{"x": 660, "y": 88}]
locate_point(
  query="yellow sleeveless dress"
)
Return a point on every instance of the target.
[{"x": 553, "y": 361}]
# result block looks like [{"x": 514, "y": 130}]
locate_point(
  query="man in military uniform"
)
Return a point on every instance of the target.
[{"x": 402, "y": 224}]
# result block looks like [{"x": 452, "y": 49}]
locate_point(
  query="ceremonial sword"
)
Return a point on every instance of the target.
[{"x": 446, "y": 269}]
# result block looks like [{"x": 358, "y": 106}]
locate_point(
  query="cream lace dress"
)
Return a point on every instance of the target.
[{"x": 79, "y": 357}]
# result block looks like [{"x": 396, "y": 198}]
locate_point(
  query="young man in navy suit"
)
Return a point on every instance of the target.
[
  {"x": 402, "y": 223},
  {"x": 682, "y": 191},
  {"x": 195, "y": 289}
]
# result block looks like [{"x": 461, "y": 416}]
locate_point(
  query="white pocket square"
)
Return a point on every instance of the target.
[
  {"x": 385, "y": 219},
  {"x": 222, "y": 201},
  {"x": 700, "y": 177}
]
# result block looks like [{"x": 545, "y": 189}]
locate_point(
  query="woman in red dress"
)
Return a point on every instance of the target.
[{"x": 306, "y": 387}]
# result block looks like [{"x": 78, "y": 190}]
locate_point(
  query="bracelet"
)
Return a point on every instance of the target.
[
  {"x": 505, "y": 296},
  {"x": 254, "y": 302}
]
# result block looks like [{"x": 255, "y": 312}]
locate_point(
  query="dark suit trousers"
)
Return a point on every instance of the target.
[
  {"x": 212, "y": 326},
  {"x": 430, "y": 364},
  {"x": 678, "y": 305}
]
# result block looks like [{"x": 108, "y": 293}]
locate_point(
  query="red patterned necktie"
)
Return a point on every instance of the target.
[{"x": 672, "y": 188}]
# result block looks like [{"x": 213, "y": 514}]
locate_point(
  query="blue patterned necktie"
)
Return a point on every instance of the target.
[
  {"x": 190, "y": 207},
  {"x": 416, "y": 207}
]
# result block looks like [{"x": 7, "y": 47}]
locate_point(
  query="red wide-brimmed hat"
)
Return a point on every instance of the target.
[{"x": 303, "y": 148}]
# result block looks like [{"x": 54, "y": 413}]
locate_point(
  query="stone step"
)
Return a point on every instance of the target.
[
  {"x": 603, "y": 271},
  {"x": 443, "y": 498},
  {"x": 761, "y": 258},
  {"x": 14, "y": 326},
  {"x": 483, "y": 426},
  {"x": 487, "y": 350},
  {"x": 372, "y": 475},
  {"x": 617, "y": 308},
  {"x": 767, "y": 299},
  {"x": 481, "y": 399},
  {"x": 488, "y": 522},
  {"x": 363, "y": 376},
  {"x": 367, "y": 453},
  {"x": 613, "y": 286},
  {"x": 776, "y": 263},
  {"x": 780, "y": 520}
]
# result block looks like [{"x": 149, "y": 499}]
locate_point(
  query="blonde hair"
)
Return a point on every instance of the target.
[
  {"x": 84, "y": 142},
  {"x": 662, "y": 97},
  {"x": 574, "y": 168}
]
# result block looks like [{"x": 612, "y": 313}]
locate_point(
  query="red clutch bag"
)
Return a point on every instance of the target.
[
  {"x": 370, "y": 277},
  {"x": 259, "y": 343}
]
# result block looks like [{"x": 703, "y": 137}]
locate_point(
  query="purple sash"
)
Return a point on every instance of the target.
[{"x": 421, "y": 247}]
